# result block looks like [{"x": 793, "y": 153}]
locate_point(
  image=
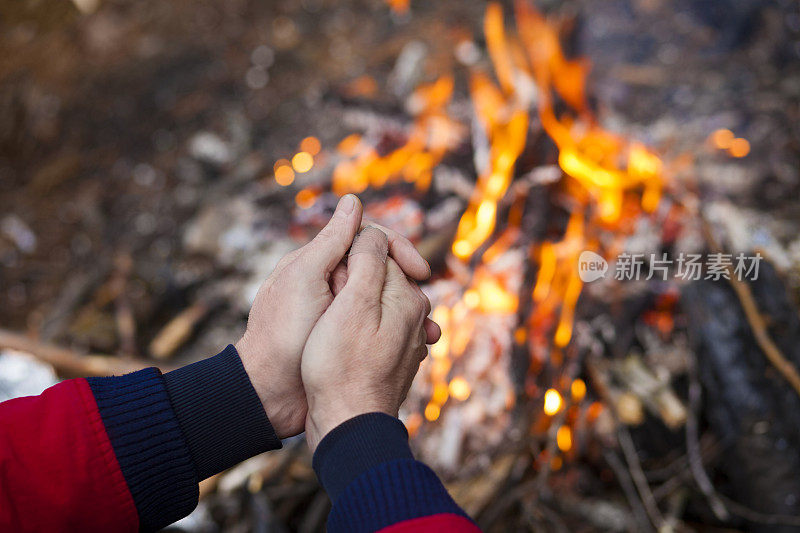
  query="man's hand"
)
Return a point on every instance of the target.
[
  {"x": 291, "y": 301},
  {"x": 364, "y": 351}
]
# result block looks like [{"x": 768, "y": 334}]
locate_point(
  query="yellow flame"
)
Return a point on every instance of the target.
[{"x": 494, "y": 298}]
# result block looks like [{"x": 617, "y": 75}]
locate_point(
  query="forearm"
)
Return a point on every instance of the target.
[
  {"x": 367, "y": 468},
  {"x": 126, "y": 451}
]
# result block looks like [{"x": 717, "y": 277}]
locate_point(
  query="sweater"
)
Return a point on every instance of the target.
[{"x": 126, "y": 453}]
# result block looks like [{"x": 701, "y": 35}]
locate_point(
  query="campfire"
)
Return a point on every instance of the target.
[
  {"x": 501, "y": 287},
  {"x": 512, "y": 360}
]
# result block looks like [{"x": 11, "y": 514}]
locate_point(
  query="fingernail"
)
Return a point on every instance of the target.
[{"x": 347, "y": 204}]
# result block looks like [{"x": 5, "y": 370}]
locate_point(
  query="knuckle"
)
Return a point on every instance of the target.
[
  {"x": 426, "y": 303},
  {"x": 325, "y": 233},
  {"x": 421, "y": 307}
]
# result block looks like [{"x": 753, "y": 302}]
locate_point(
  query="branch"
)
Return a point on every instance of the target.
[{"x": 68, "y": 362}]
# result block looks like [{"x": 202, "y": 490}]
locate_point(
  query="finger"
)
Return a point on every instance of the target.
[
  {"x": 286, "y": 260},
  {"x": 330, "y": 245},
  {"x": 422, "y": 296},
  {"x": 396, "y": 280},
  {"x": 422, "y": 353},
  {"x": 367, "y": 265},
  {"x": 405, "y": 253},
  {"x": 432, "y": 331},
  {"x": 338, "y": 278}
]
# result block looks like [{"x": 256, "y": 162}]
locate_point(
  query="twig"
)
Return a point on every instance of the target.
[
  {"x": 67, "y": 362},
  {"x": 639, "y": 479},
  {"x": 628, "y": 489},
  {"x": 757, "y": 517},
  {"x": 178, "y": 330}
]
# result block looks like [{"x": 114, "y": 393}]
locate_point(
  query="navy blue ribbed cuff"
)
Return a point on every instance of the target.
[
  {"x": 220, "y": 413},
  {"x": 356, "y": 446},
  {"x": 149, "y": 446},
  {"x": 390, "y": 493}
]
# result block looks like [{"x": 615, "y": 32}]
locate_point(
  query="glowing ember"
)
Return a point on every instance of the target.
[
  {"x": 722, "y": 139},
  {"x": 310, "y": 145},
  {"x": 459, "y": 389},
  {"x": 399, "y": 6},
  {"x": 564, "y": 438},
  {"x": 302, "y": 162},
  {"x": 306, "y": 198},
  {"x": 578, "y": 390},
  {"x": 739, "y": 147},
  {"x": 552, "y": 402},
  {"x": 432, "y": 412},
  {"x": 440, "y": 394},
  {"x": 284, "y": 175}
]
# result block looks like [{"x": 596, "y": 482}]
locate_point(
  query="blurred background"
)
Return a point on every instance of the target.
[{"x": 158, "y": 158}]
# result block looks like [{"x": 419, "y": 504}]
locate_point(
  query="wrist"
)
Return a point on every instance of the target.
[
  {"x": 203, "y": 395},
  {"x": 325, "y": 415},
  {"x": 356, "y": 446},
  {"x": 272, "y": 385}
]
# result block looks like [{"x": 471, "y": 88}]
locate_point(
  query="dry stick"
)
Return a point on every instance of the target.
[
  {"x": 67, "y": 362},
  {"x": 622, "y": 475},
  {"x": 770, "y": 349},
  {"x": 639, "y": 479},
  {"x": 754, "y": 318}
]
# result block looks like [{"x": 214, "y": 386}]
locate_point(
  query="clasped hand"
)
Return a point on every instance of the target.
[{"x": 339, "y": 328}]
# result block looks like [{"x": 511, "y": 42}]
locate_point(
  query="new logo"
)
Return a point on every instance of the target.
[{"x": 591, "y": 266}]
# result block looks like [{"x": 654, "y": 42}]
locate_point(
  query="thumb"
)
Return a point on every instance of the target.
[
  {"x": 366, "y": 265},
  {"x": 330, "y": 245}
]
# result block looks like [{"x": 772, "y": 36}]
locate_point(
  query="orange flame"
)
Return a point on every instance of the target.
[{"x": 431, "y": 135}]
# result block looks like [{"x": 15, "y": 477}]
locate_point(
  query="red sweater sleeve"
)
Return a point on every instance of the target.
[
  {"x": 57, "y": 464},
  {"x": 125, "y": 453}
]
